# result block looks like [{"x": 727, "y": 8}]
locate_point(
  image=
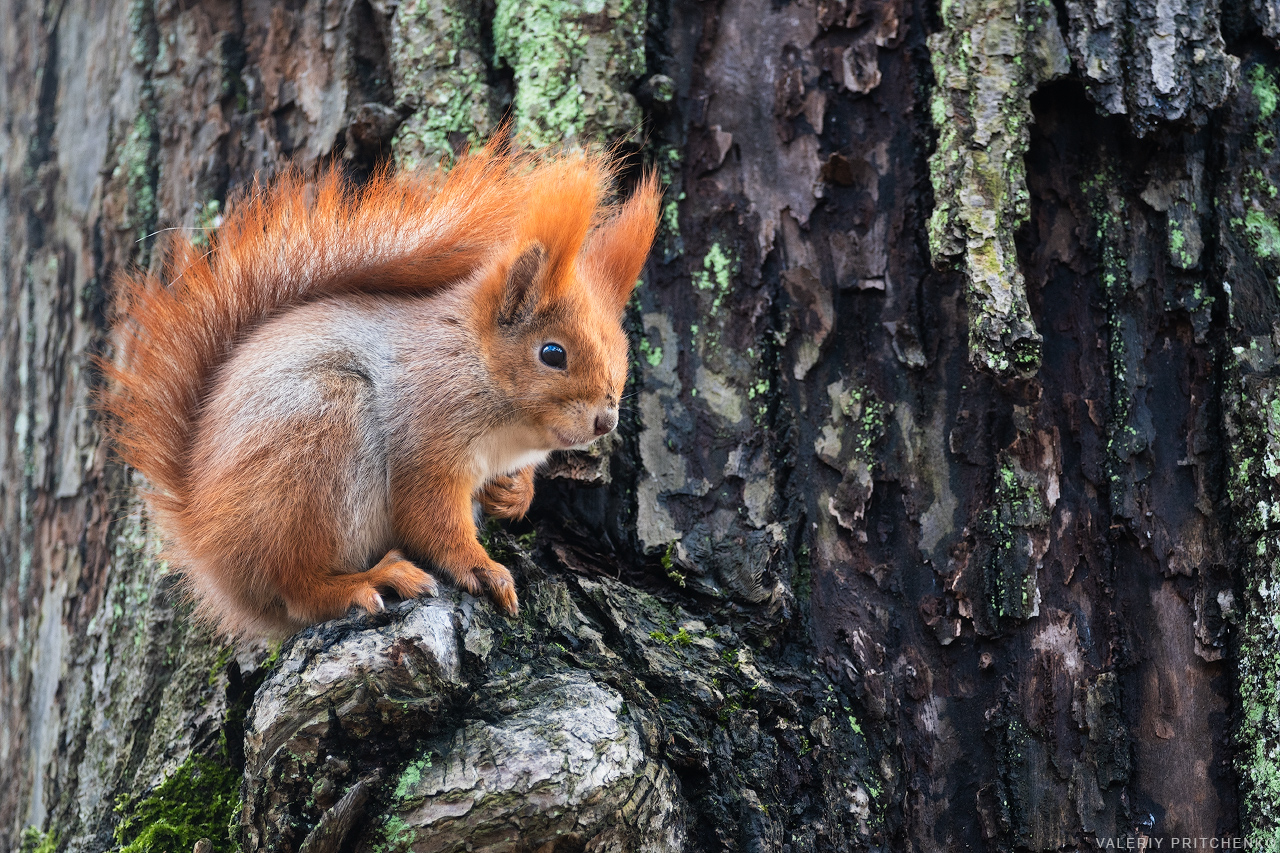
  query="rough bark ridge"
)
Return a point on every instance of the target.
[{"x": 945, "y": 517}]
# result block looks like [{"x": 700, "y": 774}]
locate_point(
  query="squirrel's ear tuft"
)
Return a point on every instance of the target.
[
  {"x": 524, "y": 283},
  {"x": 618, "y": 248}
]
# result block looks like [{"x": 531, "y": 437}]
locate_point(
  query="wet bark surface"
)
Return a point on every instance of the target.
[{"x": 943, "y": 517}]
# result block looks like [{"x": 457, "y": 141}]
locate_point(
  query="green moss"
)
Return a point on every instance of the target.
[
  {"x": 35, "y": 841},
  {"x": 397, "y": 835},
  {"x": 1123, "y": 440},
  {"x": 225, "y": 654},
  {"x": 1258, "y": 669},
  {"x": 669, "y": 566},
  {"x": 671, "y": 217},
  {"x": 1178, "y": 243},
  {"x": 667, "y": 160},
  {"x": 197, "y": 801},
  {"x": 718, "y": 269},
  {"x": 1253, "y": 408},
  {"x": 142, "y": 28},
  {"x": 1258, "y": 225},
  {"x": 541, "y": 41},
  {"x": 138, "y": 153},
  {"x": 867, "y": 412}
]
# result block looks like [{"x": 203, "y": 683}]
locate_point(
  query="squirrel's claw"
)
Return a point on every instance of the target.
[{"x": 501, "y": 586}]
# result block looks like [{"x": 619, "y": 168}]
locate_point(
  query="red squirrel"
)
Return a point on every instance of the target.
[{"x": 318, "y": 400}]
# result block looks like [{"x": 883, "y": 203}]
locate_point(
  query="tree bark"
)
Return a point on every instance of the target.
[{"x": 945, "y": 516}]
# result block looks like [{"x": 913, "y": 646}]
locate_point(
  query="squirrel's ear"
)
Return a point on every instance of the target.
[
  {"x": 524, "y": 281},
  {"x": 617, "y": 250}
]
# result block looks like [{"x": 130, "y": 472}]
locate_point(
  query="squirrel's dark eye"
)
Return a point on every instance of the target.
[{"x": 553, "y": 355}]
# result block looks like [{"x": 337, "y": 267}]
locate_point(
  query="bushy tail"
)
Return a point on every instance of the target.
[{"x": 288, "y": 243}]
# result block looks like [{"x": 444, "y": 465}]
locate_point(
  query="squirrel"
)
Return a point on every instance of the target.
[{"x": 319, "y": 400}]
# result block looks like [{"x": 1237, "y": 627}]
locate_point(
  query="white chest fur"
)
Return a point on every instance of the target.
[{"x": 505, "y": 451}]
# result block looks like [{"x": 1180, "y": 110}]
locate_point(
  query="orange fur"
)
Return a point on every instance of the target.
[{"x": 333, "y": 333}]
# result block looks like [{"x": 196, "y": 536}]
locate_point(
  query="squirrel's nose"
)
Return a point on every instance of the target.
[{"x": 605, "y": 422}]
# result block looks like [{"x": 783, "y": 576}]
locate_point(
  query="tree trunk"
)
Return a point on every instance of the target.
[{"x": 946, "y": 514}]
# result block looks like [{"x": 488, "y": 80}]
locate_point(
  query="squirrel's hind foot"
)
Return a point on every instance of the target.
[
  {"x": 332, "y": 595},
  {"x": 394, "y": 571}
]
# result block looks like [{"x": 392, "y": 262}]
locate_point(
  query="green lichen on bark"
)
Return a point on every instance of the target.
[
  {"x": 1257, "y": 220},
  {"x": 715, "y": 280},
  {"x": 1248, "y": 211},
  {"x": 1124, "y": 442},
  {"x": 440, "y": 75},
  {"x": 136, "y": 167},
  {"x": 1254, "y": 489},
  {"x": 135, "y": 176},
  {"x": 574, "y": 63},
  {"x": 847, "y": 443},
  {"x": 1016, "y": 513},
  {"x": 987, "y": 60}
]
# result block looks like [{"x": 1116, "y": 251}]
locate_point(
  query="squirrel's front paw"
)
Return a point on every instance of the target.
[
  {"x": 495, "y": 578},
  {"x": 501, "y": 586},
  {"x": 508, "y": 496}
]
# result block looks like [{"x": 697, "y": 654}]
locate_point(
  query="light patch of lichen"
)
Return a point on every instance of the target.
[
  {"x": 981, "y": 111},
  {"x": 439, "y": 71},
  {"x": 651, "y": 353},
  {"x": 411, "y": 776},
  {"x": 574, "y": 63},
  {"x": 716, "y": 276}
]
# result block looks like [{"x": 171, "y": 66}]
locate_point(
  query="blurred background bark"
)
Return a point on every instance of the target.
[{"x": 945, "y": 515}]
